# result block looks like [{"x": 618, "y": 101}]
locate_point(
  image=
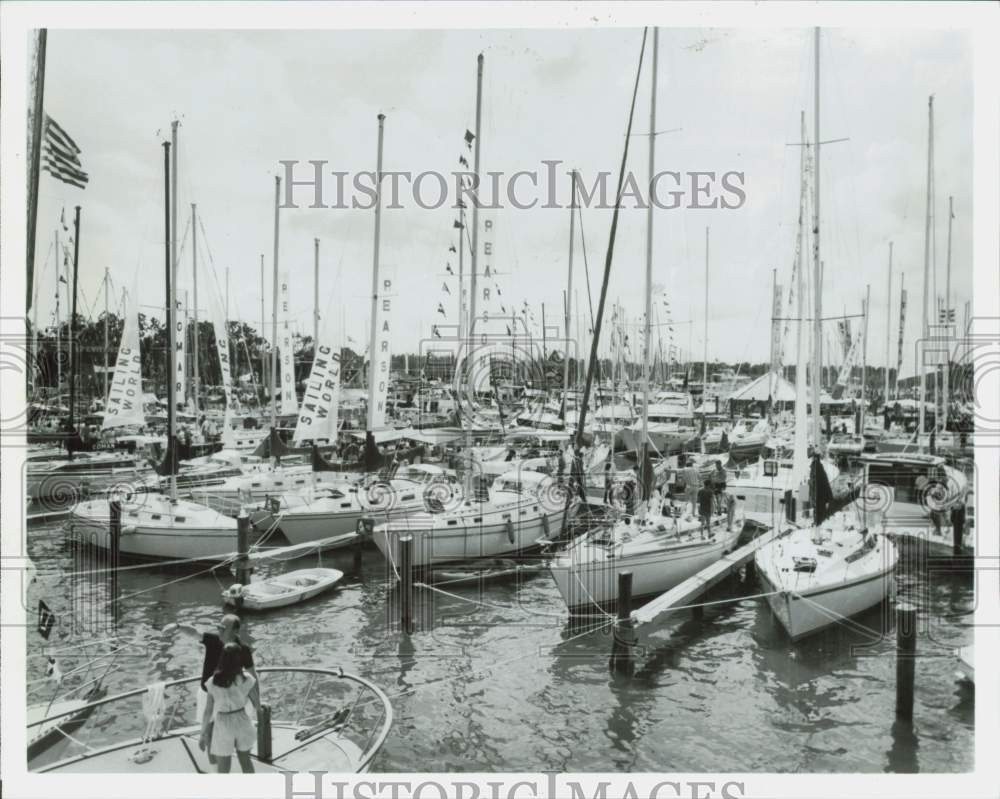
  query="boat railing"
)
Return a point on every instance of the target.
[{"x": 315, "y": 700}]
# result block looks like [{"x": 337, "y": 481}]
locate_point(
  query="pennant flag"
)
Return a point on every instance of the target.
[
  {"x": 508, "y": 331},
  {"x": 435, "y": 331},
  {"x": 62, "y": 279},
  {"x": 446, "y": 289},
  {"x": 469, "y": 137},
  {"x": 447, "y": 268},
  {"x": 498, "y": 291},
  {"x": 457, "y": 224},
  {"x": 502, "y": 309},
  {"x": 62, "y": 219},
  {"x": 451, "y": 248},
  {"x": 61, "y": 156},
  {"x": 462, "y": 160},
  {"x": 461, "y": 203},
  {"x": 441, "y": 310}
]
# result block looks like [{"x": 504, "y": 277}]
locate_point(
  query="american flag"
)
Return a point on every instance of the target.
[{"x": 61, "y": 156}]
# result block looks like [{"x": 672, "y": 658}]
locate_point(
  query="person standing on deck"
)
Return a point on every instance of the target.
[{"x": 706, "y": 503}]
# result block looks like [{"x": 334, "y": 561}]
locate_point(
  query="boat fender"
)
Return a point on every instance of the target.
[
  {"x": 510, "y": 530},
  {"x": 545, "y": 525},
  {"x": 128, "y": 529}
]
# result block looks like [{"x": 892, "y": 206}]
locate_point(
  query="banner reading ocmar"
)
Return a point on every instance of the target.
[{"x": 289, "y": 404}]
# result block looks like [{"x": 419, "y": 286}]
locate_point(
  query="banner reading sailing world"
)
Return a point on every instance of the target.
[
  {"x": 381, "y": 357},
  {"x": 125, "y": 393},
  {"x": 321, "y": 400},
  {"x": 289, "y": 405}
]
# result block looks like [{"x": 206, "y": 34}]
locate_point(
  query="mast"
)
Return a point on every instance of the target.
[
  {"x": 105, "y": 335},
  {"x": 274, "y": 310},
  {"x": 195, "y": 372},
  {"x": 817, "y": 356},
  {"x": 59, "y": 258},
  {"x": 373, "y": 333},
  {"x": 171, "y": 311},
  {"x": 225, "y": 325},
  {"x": 888, "y": 324},
  {"x": 263, "y": 354},
  {"x": 474, "y": 262},
  {"x": 864, "y": 357},
  {"x": 569, "y": 287},
  {"x": 72, "y": 322},
  {"x": 644, "y": 478},
  {"x": 315, "y": 296},
  {"x": 704, "y": 374},
  {"x": 34, "y": 167},
  {"x": 800, "y": 456},
  {"x": 947, "y": 320},
  {"x": 924, "y": 329}
]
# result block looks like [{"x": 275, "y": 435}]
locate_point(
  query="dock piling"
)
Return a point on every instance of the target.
[
  {"x": 406, "y": 583},
  {"x": 906, "y": 648},
  {"x": 623, "y": 643},
  {"x": 242, "y": 548}
]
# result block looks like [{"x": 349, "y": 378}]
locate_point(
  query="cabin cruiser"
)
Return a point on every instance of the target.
[
  {"x": 523, "y": 507},
  {"x": 87, "y": 472},
  {"x": 670, "y": 425},
  {"x": 763, "y": 496}
]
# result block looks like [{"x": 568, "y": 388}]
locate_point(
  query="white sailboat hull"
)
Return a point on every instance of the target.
[{"x": 587, "y": 576}]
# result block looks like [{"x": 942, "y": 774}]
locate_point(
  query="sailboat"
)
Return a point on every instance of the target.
[
  {"x": 661, "y": 546},
  {"x": 837, "y": 567},
  {"x": 156, "y": 526}
]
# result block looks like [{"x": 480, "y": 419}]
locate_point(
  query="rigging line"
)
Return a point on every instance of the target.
[{"x": 586, "y": 267}]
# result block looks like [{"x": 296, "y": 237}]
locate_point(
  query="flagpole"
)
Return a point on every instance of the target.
[
  {"x": 704, "y": 374},
  {"x": 72, "y": 323},
  {"x": 195, "y": 371},
  {"x": 274, "y": 309},
  {"x": 644, "y": 479},
  {"x": 461, "y": 275},
  {"x": 864, "y": 358},
  {"x": 817, "y": 268},
  {"x": 947, "y": 321},
  {"x": 35, "y": 144},
  {"x": 474, "y": 261},
  {"x": 373, "y": 333},
  {"x": 174, "y": 252}
]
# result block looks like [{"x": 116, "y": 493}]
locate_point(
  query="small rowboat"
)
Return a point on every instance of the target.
[{"x": 284, "y": 589}]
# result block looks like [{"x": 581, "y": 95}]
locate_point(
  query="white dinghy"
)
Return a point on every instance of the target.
[{"x": 283, "y": 589}]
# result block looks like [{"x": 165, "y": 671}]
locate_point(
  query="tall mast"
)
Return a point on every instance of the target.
[
  {"x": 461, "y": 276},
  {"x": 817, "y": 278},
  {"x": 925, "y": 328},
  {"x": 59, "y": 258},
  {"x": 315, "y": 297},
  {"x": 644, "y": 478},
  {"x": 195, "y": 372},
  {"x": 474, "y": 261},
  {"x": 947, "y": 321},
  {"x": 263, "y": 354},
  {"x": 704, "y": 374},
  {"x": 274, "y": 309},
  {"x": 170, "y": 269},
  {"x": 72, "y": 321},
  {"x": 34, "y": 167},
  {"x": 569, "y": 286},
  {"x": 373, "y": 334},
  {"x": 864, "y": 357},
  {"x": 888, "y": 324},
  {"x": 226, "y": 327},
  {"x": 800, "y": 455},
  {"x": 105, "y": 333}
]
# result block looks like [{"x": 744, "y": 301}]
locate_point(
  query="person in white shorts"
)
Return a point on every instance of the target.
[{"x": 231, "y": 731}]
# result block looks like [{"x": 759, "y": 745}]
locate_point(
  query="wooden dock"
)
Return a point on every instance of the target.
[{"x": 693, "y": 587}]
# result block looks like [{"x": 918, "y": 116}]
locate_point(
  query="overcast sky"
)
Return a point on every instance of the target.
[{"x": 247, "y": 100}]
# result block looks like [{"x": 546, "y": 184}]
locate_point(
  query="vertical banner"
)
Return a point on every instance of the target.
[
  {"x": 180, "y": 375},
  {"x": 902, "y": 327},
  {"x": 381, "y": 356},
  {"x": 124, "y": 401},
  {"x": 487, "y": 299},
  {"x": 321, "y": 399},
  {"x": 286, "y": 357},
  {"x": 776, "y": 337},
  {"x": 221, "y": 329}
]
